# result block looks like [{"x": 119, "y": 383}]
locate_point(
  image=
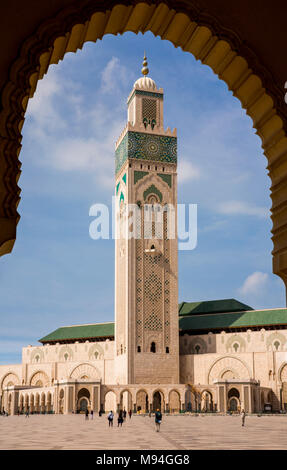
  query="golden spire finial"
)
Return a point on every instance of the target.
[{"x": 145, "y": 69}]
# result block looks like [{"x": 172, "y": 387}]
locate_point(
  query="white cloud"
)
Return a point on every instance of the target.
[
  {"x": 75, "y": 136},
  {"x": 242, "y": 208},
  {"x": 187, "y": 171},
  {"x": 113, "y": 76},
  {"x": 254, "y": 284},
  {"x": 85, "y": 155},
  {"x": 41, "y": 108}
]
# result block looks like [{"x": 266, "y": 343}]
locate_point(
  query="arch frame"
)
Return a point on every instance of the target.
[
  {"x": 185, "y": 26},
  {"x": 236, "y": 359}
]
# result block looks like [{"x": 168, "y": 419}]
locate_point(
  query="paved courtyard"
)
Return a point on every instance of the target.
[{"x": 177, "y": 432}]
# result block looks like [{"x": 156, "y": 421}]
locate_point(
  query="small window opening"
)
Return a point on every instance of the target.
[{"x": 152, "y": 347}]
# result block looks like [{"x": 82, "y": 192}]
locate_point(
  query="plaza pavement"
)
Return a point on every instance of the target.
[{"x": 177, "y": 432}]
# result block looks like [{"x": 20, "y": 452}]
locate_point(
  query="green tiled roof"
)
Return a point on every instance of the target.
[
  {"x": 221, "y": 321},
  {"x": 212, "y": 306},
  {"x": 97, "y": 330},
  {"x": 195, "y": 316}
]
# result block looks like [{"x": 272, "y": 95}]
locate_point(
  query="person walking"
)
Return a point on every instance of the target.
[
  {"x": 120, "y": 418},
  {"x": 87, "y": 414},
  {"x": 130, "y": 413},
  {"x": 111, "y": 418},
  {"x": 92, "y": 414},
  {"x": 243, "y": 414},
  {"x": 124, "y": 414},
  {"x": 158, "y": 419},
  {"x": 27, "y": 412}
]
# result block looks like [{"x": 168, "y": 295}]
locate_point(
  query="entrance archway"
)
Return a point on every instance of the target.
[
  {"x": 83, "y": 405},
  {"x": 158, "y": 401},
  {"x": 142, "y": 404},
  {"x": 110, "y": 402},
  {"x": 185, "y": 27},
  {"x": 206, "y": 401},
  {"x": 233, "y": 400},
  {"x": 174, "y": 401},
  {"x": 83, "y": 400}
]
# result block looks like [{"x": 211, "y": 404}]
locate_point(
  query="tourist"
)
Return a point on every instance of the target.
[
  {"x": 100, "y": 413},
  {"x": 243, "y": 414},
  {"x": 92, "y": 414},
  {"x": 120, "y": 418},
  {"x": 87, "y": 413},
  {"x": 111, "y": 418},
  {"x": 130, "y": 413},
  {"x": 158, "y": 418},
  {"x": 124, "y": 414},
  {"x": 27, "y": 412}
]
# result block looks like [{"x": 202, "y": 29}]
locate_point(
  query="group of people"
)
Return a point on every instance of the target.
[{"x": 121, "y": 417}]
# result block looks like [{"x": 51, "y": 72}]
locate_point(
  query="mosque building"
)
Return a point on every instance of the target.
[{"x": 211, "y": 356}]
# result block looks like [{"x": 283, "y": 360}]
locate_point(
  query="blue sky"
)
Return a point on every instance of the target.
[{"x": 57, "y": 275}]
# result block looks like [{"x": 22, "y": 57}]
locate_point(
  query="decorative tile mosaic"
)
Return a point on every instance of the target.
[
  {"x": 152, "y": 190},
  {"x": 143, "y": 146},
  {"x": 165, "y": 178},
  {"x": 138, "y": 175}
]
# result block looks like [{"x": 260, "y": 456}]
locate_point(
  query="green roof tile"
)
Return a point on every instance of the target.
[
  {"x": 221, "y": 321},
  {"x": 97, "y": 330},
  {"x": 212, "y": 306},
  {"x": 195, "y": 316}
]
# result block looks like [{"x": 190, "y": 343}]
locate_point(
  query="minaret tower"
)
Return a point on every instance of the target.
[{"x": 146, "y": 272}]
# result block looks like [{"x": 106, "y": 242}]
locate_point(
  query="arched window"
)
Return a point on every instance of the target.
[
  {"x": 139, "y": 349},
  {"x": 235, "y": 347},
  {"x": 276, "y": 345},
  {"x": 197, "y": 348},
  {"x": 66, "y": 356},
  {"x": 152, "y": 347},
  {"x": 167, "y": 350}
]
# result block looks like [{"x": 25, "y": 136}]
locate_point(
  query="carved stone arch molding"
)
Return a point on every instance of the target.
[
  {"x": 85, "y": 372},
  {"x": 235, "y": 339},
  {"x": 223, "y": 364},
  {"x": 39, "y": 379},
  {"x": 9, "y": 378},
  {"x": 66, "y": 353},
  {"x": 37, "y": 356},
  {"x": 186, "y": 26},
  {"x": 96, "y": 352},
  {"x": 282, "y": 372}
]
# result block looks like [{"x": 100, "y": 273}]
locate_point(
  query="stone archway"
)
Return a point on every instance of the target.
[
  {"x": 283, "y": 379},
  {"x": 227, "y": 367},
  {"x": 174, "y": 401},
  {"x": 185, "y": 27},
  {"x": 39, "y": 379},
  {"x": 158, "y": 402},
  {"x": 206, "y": 404},
  {"x": 233, "y": 400},
  {"x": 83, "y": 400},
  {"x": 85, "y": 372},
  {"x": 110, "y": 402},
  {"x": 142, "y": 403},
  {"x": 126, "y": 400}
]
